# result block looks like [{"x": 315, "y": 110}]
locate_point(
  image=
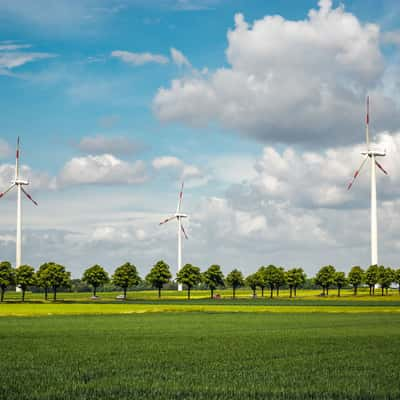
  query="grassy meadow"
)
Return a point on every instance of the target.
[
  {"x": 201, "y": 356},
  {"x": 310, "y": 347}
]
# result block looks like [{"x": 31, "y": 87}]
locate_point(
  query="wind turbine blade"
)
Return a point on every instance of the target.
[
  {"x": 184, "y": 233},
  {"x": 381, "y": 168},
  {"x": 167, "y": 220},
  {"x": 2, "y": 194},
  {"x": 29, "y": 196},
  {"x": 367, "y": 124},
  {"x": 357, "y": 173},
  {"x": 178, "y": 208},
  {"x": 17, "y": 161}
]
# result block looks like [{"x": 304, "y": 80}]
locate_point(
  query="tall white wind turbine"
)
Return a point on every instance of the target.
[
  {"x": 19, "y": 184},
  {"x": 181, "y": 230},
  {"x": 370, "y": 154}
]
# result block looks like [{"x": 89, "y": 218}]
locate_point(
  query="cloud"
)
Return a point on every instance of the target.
[
  {"x": 37, "y": 179},
  {"x": 392, "y": 37},
  {"x": 100, "y": 144},
  {"x": 139, "y": 58},
  {"x": 179, "y": 59},
  {"x": 102, "y": 169},
  {"x": 5, "y": 149},
  {"x": 298, "y": 82},
  {"x": 183, "y": 171}
]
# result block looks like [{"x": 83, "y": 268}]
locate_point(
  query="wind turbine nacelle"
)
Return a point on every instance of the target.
[
  {"x": 374, "y": 152},
  {"x": 20, "y": 182},
  {"x": 179, "y": 215}
]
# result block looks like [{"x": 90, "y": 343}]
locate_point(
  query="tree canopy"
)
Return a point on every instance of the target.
[
  {"x": 25, "y": 277},
  {"x": 213, "y": 278},
  {"x": 95, "y": 276},
  {"x": 7, "y": 277},
  {"x": 325, "y": 278},
  {"x": 126, "y": 276},
  {"x": 190, "y": 276},
  {"x": 356, "y": 277},
  {"x": 159, "y": 275},
  {"x": 235, "y": 280}
]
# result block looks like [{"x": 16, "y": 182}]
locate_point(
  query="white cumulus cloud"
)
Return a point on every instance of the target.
[{"x": 139, "y": 58}]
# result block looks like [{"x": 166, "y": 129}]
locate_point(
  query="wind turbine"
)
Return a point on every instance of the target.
[
  {"x": 370, "y": 154},
  {"x": 19, "y": 184},
  {"x": 181, "y": 230}
]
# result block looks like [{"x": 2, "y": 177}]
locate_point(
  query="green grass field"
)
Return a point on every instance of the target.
[
  {"x": 201, "y": 356},
  {"x": 145, "y": 348}
]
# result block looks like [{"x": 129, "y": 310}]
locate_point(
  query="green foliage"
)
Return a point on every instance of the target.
[
  {"x": 190, "y": 276},
  {"x": 25, "y": 277},
  {"x": 295, "y": 278},
  {"x": 371, "y": 278},
  {"x": 7, "y": 277},
  {"x": 274, "y": 277},
  {"x": 201, "y": 356},
  {"x": 213, "y": 278},
  {"x": 339, "y": 280},
  {"x": 126, "y": 276},
  {"x": 386, "y": 277},
  {"x": 356, "y": 277},
  {"x": 95, "y": 276},
  {"x": 57, "y": 277},
  {"x": 325, "y": 278},
  {"x": 42, "y": 278},
  {"x": 262, "y": 284},
  {"x": 159, "y": 276},
  {"x": 252, "y": 282},
  {"x": 397, "y": 278},
  {"x": 235, "y": 280}
]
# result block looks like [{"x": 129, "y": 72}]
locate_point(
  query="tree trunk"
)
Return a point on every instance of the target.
[
  {"x": 355, "y": 290},
  {"x": 295, "y": 291},
  {"x": 23, "y": 295},
  {"x": 262, "y": 291},
  {"x": 291, "y": 289},
  {"x": 94, "y": 291},
  {"x": 327, "y": 290},
  {"x": 277, "y": 291},
  {"x": 45, "y": 293},
  {"x": 159, "y": 292},
  {"x": 338, "y": 291},
  {"x": 125, "y": 289},
  {"x": 234, "y": 292},
  {"x": 2, "y": 293},
  {"x": 272, "y": 292},
  {"x": 373, "y": 290},
  {"x": 383, "y": 290},
  {"x": 323, "y": 290},
  {"x": 212, "y": 293},
  {"x": 387, "y": 291},
  {"x": 54, "y": 293},
  {"x": 254, "y": 292},
  {"x": 188, "y": 292}
]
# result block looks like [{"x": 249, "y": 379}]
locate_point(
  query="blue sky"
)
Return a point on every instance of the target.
[{"x": 117, "y": 101}]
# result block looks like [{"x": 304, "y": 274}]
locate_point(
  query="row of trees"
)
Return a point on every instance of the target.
[{"x": 52, "y": 277}]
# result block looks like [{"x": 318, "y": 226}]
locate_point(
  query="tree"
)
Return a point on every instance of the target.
[
  {"x": 7, "y": 277},
  {"x": 397, "y": 278},
  {"x": 95, "y": 276},
  {"x": 279, "y": 279},
  {"x": 325, "y": 278},
  {"x": 57, "y": 277},
  {"x": 385, "y": 278},
  {"x": 235, "y": 280},
  {"x": 190, "y": 276},
  {"x": 371, "y": 278},
  {"x": 42, "y": 278},
  {"x": 252, "y": 282},
  {"x": 25, "y": 277},
  {"x": 339, "y": 280},
  {"x": 126, "y": 276},
  {"x": 356, "y": 277},
  {"x": 295, "y": 277},
  {"x": 270, "y": 277},
  {"x": 159, "y": 275},
  {"x": 213, "y": 278},
  {"x": 262, "y": 284}
]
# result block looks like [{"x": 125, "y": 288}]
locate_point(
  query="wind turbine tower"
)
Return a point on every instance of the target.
[
  {"x": 371, "y": 153},
  {"x": 19, "y": 183},
  {"x": 181, "y": 230}
]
